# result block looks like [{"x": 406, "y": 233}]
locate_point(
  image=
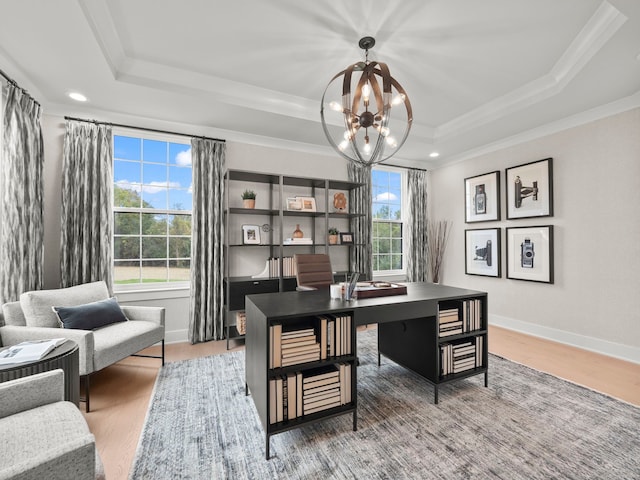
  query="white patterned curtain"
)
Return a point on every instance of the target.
[
  {"x": 87, "y": 214},
  {"x": 206, "y": 312},
  {"x": 417, "y": 268},
  {"x": 22, "y": 188},
  {"x": 360, "y": 201}
]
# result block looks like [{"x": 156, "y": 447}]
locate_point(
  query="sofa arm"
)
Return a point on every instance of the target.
[
  {"x": 148, "y": 314},
  {"x": 12, "y": 335},
  {"x": 74, "y": 458},
  {"x": 31, "y": 392}
]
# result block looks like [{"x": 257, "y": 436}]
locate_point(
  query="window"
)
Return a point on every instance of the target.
[
  {"x": 387, "y": 230},
  {"x": 152, "y": 201}
]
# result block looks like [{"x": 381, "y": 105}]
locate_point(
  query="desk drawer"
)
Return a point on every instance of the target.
[
  {"x": 395, "y": 312},
  {"x": 238, "y": 290}
]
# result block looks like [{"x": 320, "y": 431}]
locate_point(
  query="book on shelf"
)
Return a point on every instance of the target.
[{"x": 29, "y": 351}]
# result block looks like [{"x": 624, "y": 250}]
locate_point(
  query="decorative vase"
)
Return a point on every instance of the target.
[
  {"x": 333, "y": 239},
  {"x": 297, "y": 233},
  {"x": 249, "y": 203}
]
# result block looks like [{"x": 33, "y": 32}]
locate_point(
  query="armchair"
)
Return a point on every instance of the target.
[
  {"x": 33, "y": 318},
  {"x": 44, "y": 436}
]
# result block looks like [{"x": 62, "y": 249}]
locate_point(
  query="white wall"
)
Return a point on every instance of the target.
[
  {"x": 239, "y": 156},
  {"x": 596, "y": 180}
]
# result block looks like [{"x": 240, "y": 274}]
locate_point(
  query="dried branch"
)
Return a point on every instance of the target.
[{"x": 438, "y": 234}]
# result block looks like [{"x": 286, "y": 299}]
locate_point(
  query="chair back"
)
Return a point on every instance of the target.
[{"x": 313, "y": 270}]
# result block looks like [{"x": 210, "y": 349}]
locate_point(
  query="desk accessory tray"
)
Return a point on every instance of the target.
[{"x": 379, "y": 289}]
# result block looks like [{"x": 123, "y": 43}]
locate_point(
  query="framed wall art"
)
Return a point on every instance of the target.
[
  {"x": 346, "y": 238},
  {"x": 294, "y": 204},
  {"x": 308, "y": 204},
  {"x": 530, "y": 190},
  {"x": 482, "y": 197},
  {"x": 530, "y": 253},
  {"x": 250, "y": 234},
  {"x": 482, "y": 252}
]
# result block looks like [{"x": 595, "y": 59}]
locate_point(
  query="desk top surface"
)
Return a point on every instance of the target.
[{"x": 293, "y": 304}]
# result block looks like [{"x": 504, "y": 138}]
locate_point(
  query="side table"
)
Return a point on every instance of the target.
[{"x": 66, "y": 357}]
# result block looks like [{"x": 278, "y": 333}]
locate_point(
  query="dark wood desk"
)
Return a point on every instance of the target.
[{"x": 408, "y": 333}]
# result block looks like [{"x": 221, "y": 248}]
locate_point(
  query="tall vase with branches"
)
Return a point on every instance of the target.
[{"x": 437, "y": 237}]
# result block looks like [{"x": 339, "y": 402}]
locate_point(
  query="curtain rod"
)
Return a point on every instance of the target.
[
  {"x": 15, "y": 84},
  {"x": 402, "y": 166},
  {"x": 155, "y": 130}
]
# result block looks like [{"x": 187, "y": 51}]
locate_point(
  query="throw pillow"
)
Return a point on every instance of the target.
[
  {"x": 90, "y": 315},
  {"x": 36, "y": 305}
]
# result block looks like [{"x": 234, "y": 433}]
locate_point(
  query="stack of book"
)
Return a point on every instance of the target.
[
  {"x": 471, "y": 315},
  {"x": 293, "y": 347},
  {"x": 288, "y": 267},
  {"x": 294, "y": 394},
  {"x": 241, "y": 322},
  {"x": 456, "y": 358},
  {"x": 285, "y": 397},
  {"x": 337, "y": 339},
  {"x": 298, "y": 241},
  {"x": 327, "y": 390},
  {"x": 449, "y": 322}
]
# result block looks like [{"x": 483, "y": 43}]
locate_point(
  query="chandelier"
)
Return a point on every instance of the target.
[{"x": 367, "y": 105}]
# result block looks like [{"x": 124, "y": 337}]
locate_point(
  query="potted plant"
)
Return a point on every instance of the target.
[
  {"x": 333, "y": 235},
  {"x": 249, "y": 199}
]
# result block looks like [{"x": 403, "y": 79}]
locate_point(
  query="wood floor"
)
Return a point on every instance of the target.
[{"x": 120, "y": 394}]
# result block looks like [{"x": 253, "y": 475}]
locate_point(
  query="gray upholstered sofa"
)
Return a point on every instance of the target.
[
  {"x": 44, "y": 436},
  {"x": 33, "y": 318}
]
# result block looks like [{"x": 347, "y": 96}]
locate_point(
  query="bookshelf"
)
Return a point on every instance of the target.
[
  {"x": 300, "y": 369},
  {"x": 267, "y": 266},
  {"x": 456, "y": 342}
]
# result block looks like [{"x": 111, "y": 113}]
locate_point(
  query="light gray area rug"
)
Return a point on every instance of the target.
[{"x": 525, "y": 425}]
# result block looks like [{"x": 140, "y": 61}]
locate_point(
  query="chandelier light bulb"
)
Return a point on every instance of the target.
[
  {"x": 335, "y": 106},
  {"x": 367, "y": 93}
]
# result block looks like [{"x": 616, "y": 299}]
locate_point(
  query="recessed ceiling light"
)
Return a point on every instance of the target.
[
  {"x": 434, "y": 154},
  {"x": 78, "y": 97}
]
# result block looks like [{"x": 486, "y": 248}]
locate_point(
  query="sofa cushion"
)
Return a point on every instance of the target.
[
  {"x": 118, "y": 341},
  {"x": 91, "y": 315},
  {"x": 36, "y": 305}
]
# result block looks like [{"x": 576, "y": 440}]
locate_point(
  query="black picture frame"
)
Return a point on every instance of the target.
[
  {"x": 530, "y": 253},
  {"x": 346, "y": 238},
  {"x": 529, "y": 190},
  {"x": 482, "y": 198},
  {"x": 483, "y": 252}
]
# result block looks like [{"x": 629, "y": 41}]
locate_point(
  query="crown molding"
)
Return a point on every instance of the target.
[{"x": 602, "y": 25}]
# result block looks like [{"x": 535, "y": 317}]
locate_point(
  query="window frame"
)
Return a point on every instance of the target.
[
  {"x": 151, "y": 286},
  {"x": 403, "y": 221}
]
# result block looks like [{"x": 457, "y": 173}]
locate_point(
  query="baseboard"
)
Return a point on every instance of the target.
[
  {"x": 604, "y": 347},
  {"x": 176, "y": 336}
]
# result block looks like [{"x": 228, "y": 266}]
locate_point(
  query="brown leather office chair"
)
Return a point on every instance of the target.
[{"x": 313, "y": 271}]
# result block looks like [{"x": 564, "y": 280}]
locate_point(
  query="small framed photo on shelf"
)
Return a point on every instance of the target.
[
  {"x": 308, "y": 204},
  {"x": 294, "y": 204},
  {"x": 530, "y": 190},
  {"x": 250, "y": 234},
  {"x": 482, "y": 252},
  {"x": 346, "y": 238},
  {"x": 482, "y": 197},
  {"x": 530, "y": 253}
]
